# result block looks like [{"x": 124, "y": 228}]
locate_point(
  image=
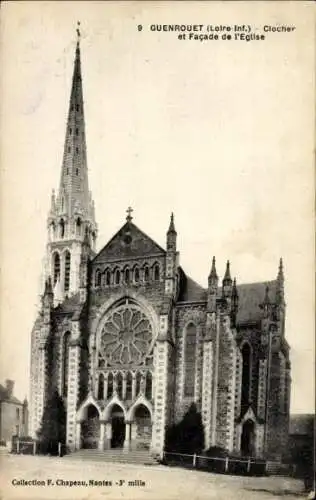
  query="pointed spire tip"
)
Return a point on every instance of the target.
[{"x": 172, "y": 228}]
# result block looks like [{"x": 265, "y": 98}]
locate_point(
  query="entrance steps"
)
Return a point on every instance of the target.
[{"x": 141, "y": 457}]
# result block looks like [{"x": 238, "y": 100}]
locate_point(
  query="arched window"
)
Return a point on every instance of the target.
[
  {"x": 65, "y": 363},
  {"x": 138, "y": 383},
  {"x": 119, "y": 385},
  {"x": 78, "y": 227},
  {"x": 146, "y": 273},
  {"x": 110, "y": 385},
  {"x": 56, "y": 267},
  {"x": 189, "y": 360},
  {"x": 149, "y": 383},
  {"x": 97, "y": 280},
  {"x": 67, "y": 271},
  {"x": 107, "y": 278},
  {"x": 101, "y": 387},
  {"x": 156, "y": 272},
  {"x": 117, "y": 277},
  {"x": 136, "y": 275},
  {"x": 129, "y": 385},
  {"x": 126, "y": 275},
  {"x": 62, "y": 228},
  {"x": 246, "y": 367}
]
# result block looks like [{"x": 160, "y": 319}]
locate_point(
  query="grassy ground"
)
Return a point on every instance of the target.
[{"x": 154, "y": 482}]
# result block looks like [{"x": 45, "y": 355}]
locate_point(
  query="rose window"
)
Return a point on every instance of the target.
[{"x": 126, "y": 336}]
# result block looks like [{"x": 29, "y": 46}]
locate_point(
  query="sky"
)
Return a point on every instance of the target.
[{"x": 219, "y": 132}]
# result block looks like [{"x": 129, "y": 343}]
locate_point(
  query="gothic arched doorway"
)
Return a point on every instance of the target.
[
  {"x": 90, "y": 428},
  {"x": 143, "y": 427},
  {"x": 247, "y": 438},
  {"x": 118, "y": 427}
]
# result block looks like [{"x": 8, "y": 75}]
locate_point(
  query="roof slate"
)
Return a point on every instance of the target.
[
  {"x": 69, "y": 305},
  {"x": 301, "y": 424},
  {"x": 4, "y": 396},
  {"x": 251, "y": 295},
  {"x": 127, "y": 243}
]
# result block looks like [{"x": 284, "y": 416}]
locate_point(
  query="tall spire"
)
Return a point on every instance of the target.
[
  {"x": 71, "y": 220},
  {"x": 73, "y": 196}
]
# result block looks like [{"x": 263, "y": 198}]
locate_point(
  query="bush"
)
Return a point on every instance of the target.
[
  {"x": 216, "y": 451},
  {"x": 188, "y": 435}
]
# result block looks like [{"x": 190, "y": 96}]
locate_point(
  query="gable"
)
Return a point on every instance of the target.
[{"x": 129, "y": 242}]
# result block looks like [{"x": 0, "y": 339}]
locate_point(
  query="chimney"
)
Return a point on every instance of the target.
[{"x": 9, "y": 384}]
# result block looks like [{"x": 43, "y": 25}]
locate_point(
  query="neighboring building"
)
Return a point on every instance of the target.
[
  {"x": 301, "y": 431},
  {"x": 130, "y": 341},
  {"x": 13, "y": 414}
]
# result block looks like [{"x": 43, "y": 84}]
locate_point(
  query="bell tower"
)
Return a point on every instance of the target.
[{"x": 71, "y": 220}]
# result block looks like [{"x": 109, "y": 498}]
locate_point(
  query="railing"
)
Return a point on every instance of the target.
[
  {"x": 223, "y": 465},
  {"x": 31, "y": 447}
]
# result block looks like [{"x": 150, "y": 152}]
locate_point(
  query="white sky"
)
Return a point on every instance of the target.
[{"x": 221, "y": 133}]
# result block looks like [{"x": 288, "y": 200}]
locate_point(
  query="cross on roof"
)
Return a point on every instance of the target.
[{"x": 129, "y": 214}]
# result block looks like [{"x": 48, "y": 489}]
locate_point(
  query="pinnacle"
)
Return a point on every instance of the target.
[
  {"x": 172, "y": 228},
  {"x": 213, "y": 273},
  {"x": 227, "y": 276}
]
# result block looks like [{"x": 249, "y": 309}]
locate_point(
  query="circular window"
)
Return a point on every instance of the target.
[{"x": 126, "y": 336}]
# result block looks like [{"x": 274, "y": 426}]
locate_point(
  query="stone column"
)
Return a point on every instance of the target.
[
  {"x": 108, "y": 435},
  {"x": 133, "y": 442},
  {"x": 207, "y": 390},
  {"x": 124, "y": 387},
  {"x": 73, "y": 392},
  {"x": 134, "y": 386},
  {"x": 78, "y": 436},
  {"x": 127, "y": 442},
  {"x": 162, "y": 395},
  {"x": 102, "y": 435}
]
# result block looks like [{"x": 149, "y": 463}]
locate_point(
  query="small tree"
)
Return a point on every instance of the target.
[
  {"x": 53, "y": 426},
  {"x": 188, "y": 435}
]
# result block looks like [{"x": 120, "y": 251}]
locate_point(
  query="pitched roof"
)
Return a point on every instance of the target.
[
  {"x": 301, "y": 424},
  {"x": 4, "y": 396},
  {"x": 190, "y": 290},
  {"x": 69, "y": 305},
  {"x": 251, "y": 295},
  {"x": 128, "y": 242}
]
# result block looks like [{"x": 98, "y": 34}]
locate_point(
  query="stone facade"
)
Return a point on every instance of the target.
[
  {"x": 13, "y": 414},
  {"x": 130, "y": 341}
]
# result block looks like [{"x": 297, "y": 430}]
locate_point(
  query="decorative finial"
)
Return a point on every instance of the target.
[
  {"x": 213, "y": 273},
  {"x": 266, "y": 296},
  {"x": 78, "y": 31},
  {"x": 129, "y": 212},
  {"x": 171, "y": 225},
  {"x": 280, "y": 274},
  {"x": 227, "y": 276}
]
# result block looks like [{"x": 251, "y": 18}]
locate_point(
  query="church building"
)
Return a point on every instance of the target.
[{"x": 130, "y": 341}]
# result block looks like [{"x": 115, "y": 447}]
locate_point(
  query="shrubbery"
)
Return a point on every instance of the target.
[{"x": 188, "y": 435}]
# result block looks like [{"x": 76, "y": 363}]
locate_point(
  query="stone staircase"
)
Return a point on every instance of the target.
[{"x": 141, "y": 457}]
